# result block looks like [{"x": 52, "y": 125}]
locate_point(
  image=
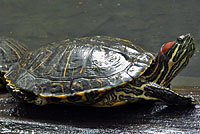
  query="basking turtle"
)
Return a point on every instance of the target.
[
  {"x": 11, "y": 51},
  {"x": 100, "y": 71}
]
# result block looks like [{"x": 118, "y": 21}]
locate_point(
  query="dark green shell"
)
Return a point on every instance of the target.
[
  {"x": 11, "y": 51},
  {"x": 72, "y": 67}
]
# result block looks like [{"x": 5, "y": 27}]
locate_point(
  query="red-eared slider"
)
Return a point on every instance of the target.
[
  {"x": 100, "y": 71},
  {"x": 11, "y": 51}
]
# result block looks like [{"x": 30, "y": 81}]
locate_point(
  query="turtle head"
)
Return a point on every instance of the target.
[
  {"x": 172, "y": 58},
  {"x": 177, "y": 51}
]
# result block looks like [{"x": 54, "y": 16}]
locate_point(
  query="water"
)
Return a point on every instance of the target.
[{"x": 147, "y": 23}]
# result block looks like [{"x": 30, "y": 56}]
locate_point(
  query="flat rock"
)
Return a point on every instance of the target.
[{"x": 142, "y": 117}]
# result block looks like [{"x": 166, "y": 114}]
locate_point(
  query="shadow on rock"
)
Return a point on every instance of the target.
[{"x": 139, "y": 113}]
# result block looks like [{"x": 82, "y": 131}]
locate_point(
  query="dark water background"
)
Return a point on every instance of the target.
[{"x": 148, "y": 23}]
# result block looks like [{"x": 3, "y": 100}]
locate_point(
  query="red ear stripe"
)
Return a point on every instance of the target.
[
  {"x": 166, "y": 47},
  {"x": 163, "y": 50}
]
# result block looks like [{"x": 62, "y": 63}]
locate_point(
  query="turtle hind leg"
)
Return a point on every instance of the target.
[
  {"x": 20, "y": 95},
  {"x": 166, "y": 95},
  {"x": 26, "y": 97}
]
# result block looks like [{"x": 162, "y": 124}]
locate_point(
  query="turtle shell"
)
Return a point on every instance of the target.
[
  {"x": 79, "y": 69},
  {"x": 11, "y": 51}
]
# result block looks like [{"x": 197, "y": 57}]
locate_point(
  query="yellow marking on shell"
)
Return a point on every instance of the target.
[
  {"x": 29, "y": 56},
  {"x": 81, "y": 93},
  {"x": 52, "y": 67},
  {"x": 23, "y": 47},
  {"x": 43, "y": 60},
  {"x": 10, "y": 84},
  {"x": 58, "y": 96},
  {"x": 125, "y": 40},
  {"x": 50, "y": 70},
  {"x": 82, "y": 69},
  {"x": 25, "y": 82},
  {"x": 100, "y": 82},
  {"x": 150, "y": 62},
  {"x": 42, "y": 89},
  {"x": 65, "y": 100},
  {"x": 15, "y": 51},
  {"x": 61, "y": 85},
  {"x": 61, "y": 96},
  {"x": 64, "y": 74},
  {"x": 79, "y": 85},
  {"x": 19, "y": 44},
  {"x": 83, "y": 98},
  {"x": 102, "y": 90},
  {"x": 146, "y": 69},
  {"x": 26, "y": 59},
  {"x": 123, "y": 83}
]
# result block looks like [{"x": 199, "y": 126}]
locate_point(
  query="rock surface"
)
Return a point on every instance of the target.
[{"x": 143, "y": 117}]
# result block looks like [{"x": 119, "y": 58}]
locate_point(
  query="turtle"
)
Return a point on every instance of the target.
[
  {"x": 11, "y": 51},
  {"x": 100, "y": 71}
]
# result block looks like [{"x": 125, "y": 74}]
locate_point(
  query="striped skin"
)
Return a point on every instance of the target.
[
  {"x": 168, "y": 64},
  {"x": 11, "y": 51},
  {"x": 131, "y": 93},
  {"x": 99, "y": 71}
]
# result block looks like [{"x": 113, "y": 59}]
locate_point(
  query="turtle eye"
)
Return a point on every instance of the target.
[{"x": 181, "y": 38}]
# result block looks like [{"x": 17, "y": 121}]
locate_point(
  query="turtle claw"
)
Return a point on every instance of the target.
[{"x": 191, "y": 100}]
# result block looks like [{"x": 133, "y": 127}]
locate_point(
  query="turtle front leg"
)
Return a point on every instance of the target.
[
  {"x": 136, "y": 91},
  {"x": 166, "y": 95}
]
